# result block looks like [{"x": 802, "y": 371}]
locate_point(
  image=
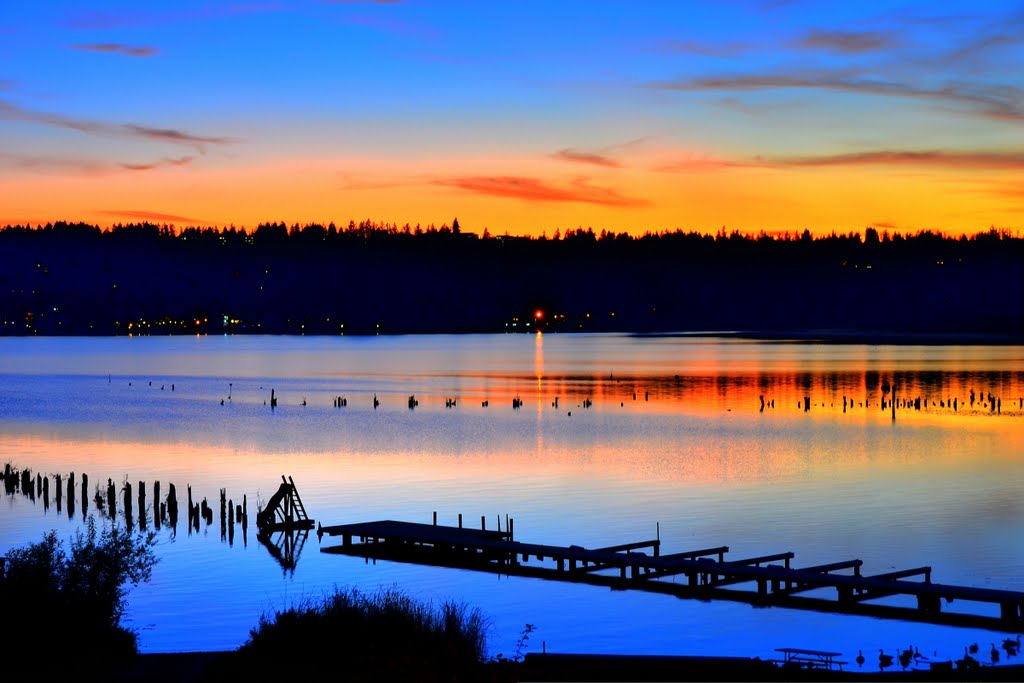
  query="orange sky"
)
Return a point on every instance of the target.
[{"x": 748, "y": 116}]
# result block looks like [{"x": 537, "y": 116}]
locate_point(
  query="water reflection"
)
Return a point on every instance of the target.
[
  {"x": 164, "y": 512},
  {"x": 762, "y": 447},
  {"x": 285, "y": 546}
]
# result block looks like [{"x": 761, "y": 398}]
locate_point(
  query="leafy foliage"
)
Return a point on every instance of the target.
[{"x": 75, "y": 597}]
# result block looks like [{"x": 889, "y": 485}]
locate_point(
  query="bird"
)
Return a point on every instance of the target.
[
  {"x": 905, "y": 658},
  {"x": 994, "y": 653},
  {"x": 860, "y": 658},
  {"x": 968, "y": 662},
  {"x": 884, "y": 660},
  {"x": 973, "y": 649},
  {"x": 1011, "y": 646},
  {"x": 917, "y": 654}
]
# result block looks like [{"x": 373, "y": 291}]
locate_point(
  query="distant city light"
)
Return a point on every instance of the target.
[{"x": 538, "y": 314}]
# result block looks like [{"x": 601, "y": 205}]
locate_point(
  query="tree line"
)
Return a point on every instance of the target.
[{"x": 379, "y": 278}]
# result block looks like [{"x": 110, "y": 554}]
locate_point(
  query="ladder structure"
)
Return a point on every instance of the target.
[{"x": 284, "y": 510}]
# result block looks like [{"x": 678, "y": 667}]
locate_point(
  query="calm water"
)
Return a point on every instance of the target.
[{"x": 675, "y": 439}]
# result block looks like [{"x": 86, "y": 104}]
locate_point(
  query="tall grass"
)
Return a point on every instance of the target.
[{"x": 386, "y": 635}]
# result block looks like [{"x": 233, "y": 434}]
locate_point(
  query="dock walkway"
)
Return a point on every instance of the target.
[{"x": 767, "y": 580}]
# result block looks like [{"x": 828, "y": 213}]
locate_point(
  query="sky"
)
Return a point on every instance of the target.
[{"x": 516, "y": 117}]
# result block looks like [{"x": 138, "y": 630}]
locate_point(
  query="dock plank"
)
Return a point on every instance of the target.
[{"x": 705, "y": 577}]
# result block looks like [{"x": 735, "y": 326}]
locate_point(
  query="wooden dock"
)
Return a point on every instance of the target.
[{"x": 706, "y": 574}]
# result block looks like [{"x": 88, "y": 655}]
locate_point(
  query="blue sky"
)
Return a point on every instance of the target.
[{"x": 516, "y": 116}]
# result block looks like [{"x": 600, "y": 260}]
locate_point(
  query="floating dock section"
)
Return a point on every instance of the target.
[{"x": 704, "y": 574}]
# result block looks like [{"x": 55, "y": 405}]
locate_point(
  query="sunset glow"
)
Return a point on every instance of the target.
[{"x": 523, "y": 118}]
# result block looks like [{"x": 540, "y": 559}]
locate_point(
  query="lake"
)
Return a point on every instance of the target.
[{"x": 662, "y": 435}]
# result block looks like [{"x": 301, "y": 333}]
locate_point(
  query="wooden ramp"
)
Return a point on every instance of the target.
[
  {"x": 705, "y": 574},
  {"x": 284, "y": 510}
]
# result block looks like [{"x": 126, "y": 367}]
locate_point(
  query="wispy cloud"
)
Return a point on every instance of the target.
[
  {"x": 149, "y": 216},
  {"x": 850, "y": 42},
  {"x": 968, "y": 159},
  {"x": 1001, "y": 102},
  {"x": 84, "y": 166},
  {"x": 536, "y": 190},
  {"x": 583, "y": 157},
  {"x": 51, "y": 163},
  {"x": 166, "y": 161},
  {"x": 704, "y": 49},
  {"x": 703, "y": 163},
  {"x": 974, "y": 160},
  {"x": 13, "y": 112},
  {"x": 118, "y": 48}
]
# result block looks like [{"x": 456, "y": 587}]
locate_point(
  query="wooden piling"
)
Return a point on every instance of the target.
[
  {"x": 172, "y": 506},
  {"x": 128, "y": 502},
  {"x": 142, "y": 505}
]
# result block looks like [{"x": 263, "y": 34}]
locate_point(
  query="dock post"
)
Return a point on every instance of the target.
[
  {"x": 460, "y": 520},
  {"x": 929, "y": 603},
  {"x": 435, "y": 517},
  {"x": 142, "y": 505},
  {"x": 483, "y": 523}
]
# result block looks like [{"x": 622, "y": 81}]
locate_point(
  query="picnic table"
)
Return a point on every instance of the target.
[{"x": 810, "y": 659}]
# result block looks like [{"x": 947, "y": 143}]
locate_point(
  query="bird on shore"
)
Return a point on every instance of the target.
[
  {"x": 905, "y": 658},
  {"x": 994, "y": 653},
  {"x": 1011, "y": 646},
  {"x": 884, "y": 660},
  {"x": 968, "y": 662},
  {"x": 860, "y": 658}
]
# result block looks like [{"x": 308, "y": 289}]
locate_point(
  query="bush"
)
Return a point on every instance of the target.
[
  {"x": 360, "y": 637},
  {"x": 73, "y": 601}
]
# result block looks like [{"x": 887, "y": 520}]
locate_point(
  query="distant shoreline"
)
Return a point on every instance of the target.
[
  {"x": 824, "y": 336},
  {"x": 870, "y": 337}
]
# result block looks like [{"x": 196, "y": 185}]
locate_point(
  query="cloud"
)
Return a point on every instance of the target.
[
  {"x": 61, "y": 164},
  {"x": 180, "y": 161},
  {"x": 966, "y": 159},
  {"x": 130, "y": 130},
  {"x": 582, "y": 157},
  {"x": 84, "y": 166},
  {"x": 694, "y": 47},
  {"x": 693, "y": 163},
  {"x": 149, "y": 216},
  {"x": 1001, "y": 102},
  {"x": 536, "y": 190},
  {"x": 850, "y": 42},
  {"x": 993, "y": 160},
  {"x": 119, "y": 48}
]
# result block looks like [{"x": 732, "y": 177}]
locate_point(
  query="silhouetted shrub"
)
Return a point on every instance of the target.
[
  {"x": 70, "y": 601},
  {"x": 355, "y": 636}
]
